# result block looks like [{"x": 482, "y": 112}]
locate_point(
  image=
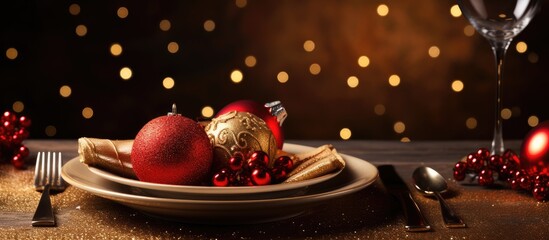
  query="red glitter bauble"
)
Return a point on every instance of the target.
[
  {"x": 172, "y": 150},
  {"x": 268, "y": 112},
  {"x": 535, "y": 150}
]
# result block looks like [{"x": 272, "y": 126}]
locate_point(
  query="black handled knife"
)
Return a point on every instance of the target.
[{"x": 415, "y": 221}]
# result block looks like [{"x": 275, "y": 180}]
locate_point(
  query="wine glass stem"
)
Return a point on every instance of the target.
[{"x": 499, "y": 47}]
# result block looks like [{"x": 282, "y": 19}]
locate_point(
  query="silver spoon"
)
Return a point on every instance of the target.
[{"x": 429, "y": 181}]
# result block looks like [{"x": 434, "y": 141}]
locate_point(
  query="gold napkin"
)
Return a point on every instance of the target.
[
  {"x": 316, "y": 163},
  {"x": 110, "y": 155}
]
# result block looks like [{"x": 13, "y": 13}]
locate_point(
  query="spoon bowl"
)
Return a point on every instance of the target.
[{"x": 430, "y": 182}]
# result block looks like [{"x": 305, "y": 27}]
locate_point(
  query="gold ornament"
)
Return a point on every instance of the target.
[{"x": 239, "y": 133}]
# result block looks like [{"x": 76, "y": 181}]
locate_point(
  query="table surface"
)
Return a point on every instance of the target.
[{"x": 370, "y": 213}]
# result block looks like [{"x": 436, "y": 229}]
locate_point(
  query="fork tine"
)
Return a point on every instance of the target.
[
  {"x": 37, "y": 171},
  {"x": 49, "y": 169}
]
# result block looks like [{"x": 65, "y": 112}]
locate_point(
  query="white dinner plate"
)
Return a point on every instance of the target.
[
  {"x": 355, "y": 176},
  {"x": 209, "y": 192}
]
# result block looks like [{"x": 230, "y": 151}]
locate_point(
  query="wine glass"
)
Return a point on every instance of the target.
[{"x": 499, "y": 21}]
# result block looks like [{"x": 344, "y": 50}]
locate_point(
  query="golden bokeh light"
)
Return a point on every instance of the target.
[
  {"x": 165, "y": 25},
  {"x": 379, "y": 109},
  {"x": 469, "y": 30},
  {"x": 434, "y": 51},
  {"x": 471, "y": 123},
  {"x": 399, "y": 127},
  {"x": 122, "y": 12},
  {"x": 533, "y": 57},
  {"x": 345, "y": 133},
  {"x": 363, "y": 61},
  {"x": 455, "y": 11},
  {"x": 18, "y": 106},
  {"x": 126, "y": 73},
  {"x": 250, "y": 61},
  {"x": 50, "y": 130},
  {"x": 207, "y": 112},
  {"x": 309, "y": 46},
  {"x": 457, "y": 86},
  {"x": 81, "y": 30},
  {"x": 405, "y": 140},
  {"x": 173, "y": 47},
  {"x": 506, "y": 113},
  {"x": 533, "y": 121},
  {"x": 382, "y": 10},
  {"x": 74, "y": 9},
  {"x": 241, "y": 3},
  {"x": 12, "y": 53},
  {"x": 65, "y": 91},
  {"x": 237, "y": 76},
  {"x": 87, "y": 112},
  {"x": 352, "y": 82},
  {"x": 521, "y": 47},
  {"x": 209, "y": 25},
  {"x": 116, "y": 49},
  {"x": 168, "y": 83},
  {"x": 394, "y": 80},
  {"x": 282, "y": 77},
  {"x": 314, "y": 69}
]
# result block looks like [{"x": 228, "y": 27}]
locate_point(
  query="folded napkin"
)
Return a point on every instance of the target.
[{"x": 114, "y": 156}]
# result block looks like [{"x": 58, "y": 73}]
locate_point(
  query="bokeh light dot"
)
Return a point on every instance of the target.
[
  {"x": 533, "y": 57},
  {"x": 173, "y": 47},
  {"x": 471, "y": 123},
  {"x": 126, "y": 73},
  {"x": 455, "y": 11},
  {"x": 352, "y": 81},
  {"x": 379, "y": 109},
  {"x": 469, "y": 30},
  {"x": 363, "y": 61},
  {"x": 399, "y": 127},
  {"x": 315, "y": 69},
  {"x": 506, "y": 113},
  {"x": 282, "y": 77},
  {"x": 405, "y": 140},
  {"x": 122, "y": 12},
  {"x": 50, "y": 130},
  {"x": 237, "y": 76},
  {"x": 394, "y": 80},
  {"x": 345, "y": 133},
  {"x": 521, "y": 47},
  {"x": 74, "y": 9},
  {"x": 18, "y": 106},
  {"x": 81, "y": 30},
  {"x": 457, "y": 86},
  {"x": 309, "y": 46},
  {"x": 65, "y": 91},
  {"x": 382, "y": 10},
  {"x": 87, "y": 112},
  {"x": 250, "y": 61},
  {"x": 116, "y": 49},
  {"x": 12, "y": 53},
  {"x": 207, "y": 112},
  {"x": 533, "y": 121},
  {"x": 241, "y": 3},
  {"x": 434, "y": 51},
  {"x": 165, "y": 25},
  {"x": 168, "y": 83},
  {"x": 209, "y": 25}
]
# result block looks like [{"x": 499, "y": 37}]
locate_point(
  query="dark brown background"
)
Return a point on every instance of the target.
[{"x": 52, "y": 55}]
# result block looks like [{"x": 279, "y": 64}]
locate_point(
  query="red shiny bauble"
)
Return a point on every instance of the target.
[
  {"x": 273, "y": 121},
  {"x": 260, "y": 177},
  {"x": 172, "y": 150},
  {"x": 535, "y": 150}
]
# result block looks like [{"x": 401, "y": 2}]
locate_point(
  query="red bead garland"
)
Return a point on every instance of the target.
[
  {"x": 13, "y": 131},
  {"x": 488, "y": 168},
  {"x": 252, "y": 170}
]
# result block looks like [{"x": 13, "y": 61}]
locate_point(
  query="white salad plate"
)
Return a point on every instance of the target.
[
  {"x": 229, "y": 193},
  {"x": 355, "y": 176}
]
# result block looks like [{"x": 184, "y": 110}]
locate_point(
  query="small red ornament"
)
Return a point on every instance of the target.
[
  {"x": 535, "y": 150},
  {"x": 272, "y": 113},
  {"x": 13, "y": 131},
  {"x": 172, "y": 150}
]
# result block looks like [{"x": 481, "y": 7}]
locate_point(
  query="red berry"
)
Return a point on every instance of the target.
[
  {"x": 540, "y": 193},
  {"x": 24, "y": 122},
  {"x": 23, "y": 151},
  {"x": 459, "y": 176},
  {"x": 279, "y": 173},
  {"x": 515, "y": 185},
  {"x": 221, "y": 179},
  {"x": 475, "y": 163},
  {"x": 261, "y": 157},
  {"x": 8, "y": 127},
  {"x": 483, "y": 153},
  {"x": 8, "y": 117},
  {"x": 285, "y": 162},
  {"x": 507, "y": 170},
  {"x": 17, "y": 161},
  {"x": 23, "y": 133},
  {"x": 236, "y": 162},
  {"x": 485, "y": 177},
  {"x": 510, "y": 155},
  {"x": 525, "y": 182},
  {"x": 260, "y": 177},
  {"x": 495, "y": 162}
]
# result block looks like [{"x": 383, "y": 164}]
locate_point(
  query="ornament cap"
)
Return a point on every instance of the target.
[
  {"x": 277, "y": 110},
  {"x": 174, "y": 111}
]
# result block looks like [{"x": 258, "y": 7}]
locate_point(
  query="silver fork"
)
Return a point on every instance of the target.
[{"x": 47, "y": 176}]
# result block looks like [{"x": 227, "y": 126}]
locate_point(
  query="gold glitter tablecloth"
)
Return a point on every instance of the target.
[{"x": 368, "y": 214}]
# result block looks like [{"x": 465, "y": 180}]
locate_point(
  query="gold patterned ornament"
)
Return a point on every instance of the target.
[{"x": 239, "y": 133}]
